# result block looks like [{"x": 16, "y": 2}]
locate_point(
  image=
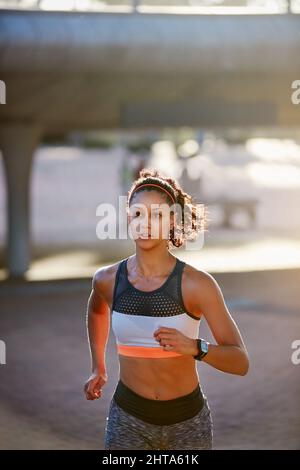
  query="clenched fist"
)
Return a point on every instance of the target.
[
  {"x": 173, "y": 340},
  {"x": 93, "y": 386}
]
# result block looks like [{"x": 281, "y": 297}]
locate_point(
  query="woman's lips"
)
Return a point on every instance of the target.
[{"x": 145, "y": 236}]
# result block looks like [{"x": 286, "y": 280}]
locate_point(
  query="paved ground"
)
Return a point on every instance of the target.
[{"x": 41, "y": 401}]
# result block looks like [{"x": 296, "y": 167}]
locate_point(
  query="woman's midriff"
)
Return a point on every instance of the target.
[{"x": 159, "y": 379}]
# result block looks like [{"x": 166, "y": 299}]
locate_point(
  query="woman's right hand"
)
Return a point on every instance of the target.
[{"x": 94, "y": 384}]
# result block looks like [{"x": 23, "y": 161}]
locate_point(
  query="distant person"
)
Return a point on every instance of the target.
[{"x": 155, "y": 302}]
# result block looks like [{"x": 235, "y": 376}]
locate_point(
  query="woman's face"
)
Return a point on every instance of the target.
[{"x": 150, "y": 218}]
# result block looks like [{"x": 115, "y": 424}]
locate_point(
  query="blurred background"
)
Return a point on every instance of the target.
[{"x": 91, "y": 92}]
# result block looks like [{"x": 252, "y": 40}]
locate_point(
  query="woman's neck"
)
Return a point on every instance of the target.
[{"x": 153, "y": 262}]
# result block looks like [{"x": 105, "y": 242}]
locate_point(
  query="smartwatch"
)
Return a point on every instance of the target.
[{"x": 202, "y": 349}]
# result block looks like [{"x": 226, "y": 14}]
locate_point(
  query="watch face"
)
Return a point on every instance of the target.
[{"x": 204, "y": 346}]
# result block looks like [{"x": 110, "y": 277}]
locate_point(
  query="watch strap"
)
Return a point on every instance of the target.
[{"x": 201, "y": 353}]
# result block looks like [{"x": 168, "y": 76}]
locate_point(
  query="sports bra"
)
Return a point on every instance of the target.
[{"x": 137, "y": 314}]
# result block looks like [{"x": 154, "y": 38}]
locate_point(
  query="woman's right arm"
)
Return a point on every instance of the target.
[{"x": 98, "y": 326}]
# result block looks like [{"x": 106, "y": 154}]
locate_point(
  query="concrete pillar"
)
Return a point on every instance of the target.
[{"x": 18, "y": 142}]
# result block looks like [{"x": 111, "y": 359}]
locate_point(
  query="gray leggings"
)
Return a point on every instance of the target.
[{"x": 125, "y": 431}]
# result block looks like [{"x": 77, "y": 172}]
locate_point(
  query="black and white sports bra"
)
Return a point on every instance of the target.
[{"x": 137, "y": 314}]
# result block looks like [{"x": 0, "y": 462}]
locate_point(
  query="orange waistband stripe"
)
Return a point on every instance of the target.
[{"x": 142, "y": 351}]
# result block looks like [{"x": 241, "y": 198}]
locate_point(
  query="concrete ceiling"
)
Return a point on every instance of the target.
[{"x": 71, "y": 70}]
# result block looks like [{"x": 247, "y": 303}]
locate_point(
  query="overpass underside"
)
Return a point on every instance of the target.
[{"x": 67, "y": 71}]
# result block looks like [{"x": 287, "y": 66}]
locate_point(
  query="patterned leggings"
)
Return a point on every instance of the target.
[{"x": 125, "y": 431}]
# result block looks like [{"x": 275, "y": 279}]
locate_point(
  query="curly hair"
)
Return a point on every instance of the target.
[{"x": 193, "y": 214}]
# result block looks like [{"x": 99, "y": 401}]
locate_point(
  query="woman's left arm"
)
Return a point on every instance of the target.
[
  {"x": 230, "y": 354},
  {"x": 205, "y": 297}
]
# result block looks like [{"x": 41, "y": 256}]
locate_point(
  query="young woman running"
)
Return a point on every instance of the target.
[{"x": 156, "y": 302}]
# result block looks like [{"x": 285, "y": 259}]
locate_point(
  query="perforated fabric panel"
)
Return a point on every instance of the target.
[{"x": 166, "y": 302}]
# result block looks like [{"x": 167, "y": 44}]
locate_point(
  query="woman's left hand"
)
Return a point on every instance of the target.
[{"x": 173, "y": 340}]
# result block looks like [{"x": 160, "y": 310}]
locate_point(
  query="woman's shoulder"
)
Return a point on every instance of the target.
[
  {"x": 197, "y": 282},
  {"x": 194, "y": 275},
  {"x": 104, "y": 277}
]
